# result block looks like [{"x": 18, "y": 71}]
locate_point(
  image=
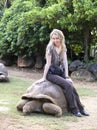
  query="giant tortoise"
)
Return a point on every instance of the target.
[
  {"x": 44, "y": 97},
  {"x": 3, "y": 73}
]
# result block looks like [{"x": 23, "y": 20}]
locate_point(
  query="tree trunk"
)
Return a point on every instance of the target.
[
  {"x": 86, "y": 45},
  {"x": 7, "y": 4}
]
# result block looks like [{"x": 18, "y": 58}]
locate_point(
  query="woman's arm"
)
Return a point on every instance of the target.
[
  {"x": 65, "y": 63},
  {"x": 47, "y": 65},
  {"x": 46, "y": 68}
]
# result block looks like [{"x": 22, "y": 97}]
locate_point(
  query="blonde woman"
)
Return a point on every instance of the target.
[{"x": 56, "y": 71}]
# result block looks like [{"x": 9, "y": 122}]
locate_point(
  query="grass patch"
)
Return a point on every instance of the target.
[
  {"x": 10, "y": 94},
  {"x": 89, "y": 129},
  {"x": 87, "y": 92}
]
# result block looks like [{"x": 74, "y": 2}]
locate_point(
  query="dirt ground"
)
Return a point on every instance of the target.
[{"x": 84, "y": 123}]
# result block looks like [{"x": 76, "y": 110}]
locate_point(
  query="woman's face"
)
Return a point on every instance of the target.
[{"x": 56, "y": 40}]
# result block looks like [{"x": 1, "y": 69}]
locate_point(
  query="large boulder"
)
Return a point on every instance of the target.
[
  {"x": 75, "y": 65},
  {"x": 25, "y": 61},
  {"x": 93, "y": 69},
  {"x": 83, "y": 74}
]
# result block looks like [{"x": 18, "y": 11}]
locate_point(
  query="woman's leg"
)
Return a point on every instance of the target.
[
  {"x": 68, "y": 90},
  {"x": 79, "y": 104}
]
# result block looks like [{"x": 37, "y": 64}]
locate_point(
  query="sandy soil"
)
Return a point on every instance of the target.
[{"x": 84, "y": 123}]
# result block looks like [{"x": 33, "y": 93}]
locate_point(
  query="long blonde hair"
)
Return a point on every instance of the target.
[{"x": 62, "y": 37}]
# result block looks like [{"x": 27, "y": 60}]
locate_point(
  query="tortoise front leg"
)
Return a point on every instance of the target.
[
  {"x": 32, "y": 106},
  {"x": 20, "y": 104},
  {"x": 53, "y": 109}
]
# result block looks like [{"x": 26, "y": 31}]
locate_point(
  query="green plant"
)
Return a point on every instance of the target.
[
  {"x": 77, "y": 49},
  {"x": 25, "y": 26},
  {"x": 16, "y": 29}
]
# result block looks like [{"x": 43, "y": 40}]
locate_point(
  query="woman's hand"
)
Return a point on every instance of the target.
[
  {"x": 40, "y": 80},
  {"x": 69, "y": 79},
  {"x": 37, "y": 82}
]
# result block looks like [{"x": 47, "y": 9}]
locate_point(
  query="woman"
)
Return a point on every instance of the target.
[{"x": 56, "y": 57}]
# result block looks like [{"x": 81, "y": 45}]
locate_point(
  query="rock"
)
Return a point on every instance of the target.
[
  {"x": 93, "y": 69},
  {"x": 39, "y": 62},
  {"x": 25, "y": 61},
  {"x": 75, "y": 65},
  {"x": 83, "y": 74}
]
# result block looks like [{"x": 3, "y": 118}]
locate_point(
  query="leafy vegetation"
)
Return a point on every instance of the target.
[{"x": 26, "y": 24}]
